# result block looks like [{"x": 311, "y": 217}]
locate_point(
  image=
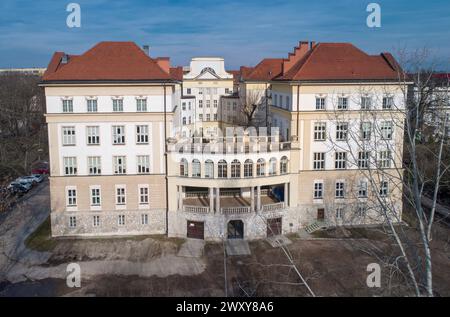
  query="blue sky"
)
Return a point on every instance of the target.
[{"x": 242, "y": 31}]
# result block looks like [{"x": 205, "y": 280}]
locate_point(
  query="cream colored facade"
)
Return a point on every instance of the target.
[{"x": 121, "y": 163}]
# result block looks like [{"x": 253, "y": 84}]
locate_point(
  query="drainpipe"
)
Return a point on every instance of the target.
[
  {"x": 298, "y": 108},
  {"x": 166, "y": 161}
]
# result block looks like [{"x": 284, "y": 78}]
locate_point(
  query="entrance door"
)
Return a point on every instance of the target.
[
  {"x": 235, "y": 229},
  {"x": 195, "y": 230},
  {"x": 321, "y": 214},
  {"x": 274, "y": 227}
]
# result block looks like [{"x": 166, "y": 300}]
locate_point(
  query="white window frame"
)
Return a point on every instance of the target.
[
  {"x": 320, "y": 131},
  {"x": 142, "y": 134},
  {"x": 121, "y": 220},
  {"x": 94, "y": 165},
  {"x": 117, "y": 104},
  {"x": 95, "y": 196},
  {"x": 342, "y": 131},
  {"x": 67, "y": 105},
  {"x": 387, "y": 130},
  {"x": 318, "y": 161},
  {"x": 92, "y": 105},
  {"x": 385, "y": 159},
  {"x": 68, "y": 136},
  {"x": 340, "y": 160},
  {"x": 318, "y": 190},
  {"x": 70, "y": 165},
  {"x": 118, "y": 134},
  {"x": 72, "y": 222},
  {"x": 363, "y": 159},
  {"x": 141, "y": 105},
  {"x": 120, "y": 165},
  {"x": 321, "y": 103},
  {"x": 339, "y": 189},
  {"x": 96, "y": 221},
  {"x": 144, "y": 195},
  {"x": 143, "y": 164},
  {"x": 121, "y": 195},
  {"x": 93, "y": 135},
  {"x": 71, "y": 197},
  {"x": 343, "y": 103},
  {"x": 144, "y": 219}
]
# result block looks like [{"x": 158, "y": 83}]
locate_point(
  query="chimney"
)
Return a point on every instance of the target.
[
  {"x": 146, "y": 49},
  {"x": 164, "y": 63},
  {"x": 299, "y": 52}
]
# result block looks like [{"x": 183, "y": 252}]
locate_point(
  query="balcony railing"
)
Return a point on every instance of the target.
[
  {"x": 273, "y": 207},
  {"x": 196, "y": 209},
  {"x": 235, "y": 210}
]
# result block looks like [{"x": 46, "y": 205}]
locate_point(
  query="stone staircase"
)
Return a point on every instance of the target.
[{"x": 316, "y": 226}]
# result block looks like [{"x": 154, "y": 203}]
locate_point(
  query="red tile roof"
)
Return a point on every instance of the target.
[
  {"x": 342, "y": 61},
  {"x": 107, "y": 61},
  {"x": 177, "y": 73},
  {"x": 267, "y": 69}
]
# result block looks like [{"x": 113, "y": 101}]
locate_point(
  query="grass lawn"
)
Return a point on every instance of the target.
[{"x": 41, "y": 239}]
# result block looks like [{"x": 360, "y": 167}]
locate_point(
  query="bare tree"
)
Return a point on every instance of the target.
[
  {"x": 251, "y": 102},
  {"x": 22, "y": 127}
]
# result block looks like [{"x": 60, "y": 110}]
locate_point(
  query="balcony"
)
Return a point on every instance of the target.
[{"x": 231, "y": 202}]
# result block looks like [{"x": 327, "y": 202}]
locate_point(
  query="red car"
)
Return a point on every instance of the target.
[{"x": 40, "y": 168}]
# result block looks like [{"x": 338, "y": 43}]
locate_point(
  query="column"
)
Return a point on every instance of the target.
[
  {"x": 252, "y": 198},
  {"x": 180, "y": 198},
  {"x": 211, "y": 200},
  {"x": 258, "y": 198},
  {"x": 217, "y": 200},
  {"x": 286, "y": 194}
]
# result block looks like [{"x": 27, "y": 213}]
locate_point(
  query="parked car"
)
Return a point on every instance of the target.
[
  {"x": 26, "y": 179},
  {"x": 38, "y": 177},
  {"x": 17, "y": 187},
  {"x": 41, "y": 167}
]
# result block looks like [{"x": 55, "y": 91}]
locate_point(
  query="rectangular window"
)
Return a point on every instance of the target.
[
  {"x": 118, "y": 134},
  {"x": 121, "y": 220},
  {"x": 184, "y": 120},
  {"x": 200, "y": 117},
  {"x": 362, "y": 189},
  {"x": 117, "y": 105},
  {"x": 341, "y": 131},
  {"x": 208, "y": 117},
  {"x": 320, "y": 103},
  {"x": 339, "y": 213},
  {"x": 318, "y": 190},
  {"x": 94, "y": 165},
  {"x": 384, "y": 189},
  {"x": 386, "y": 130},
  {"x": 96, "y": 221},
  {"x": 215, "y": 117},
  {"x": 68, "y": 134},
  {"x": 120, "y": 195},
  {"x": 183, "y": 106},
  {"x": 363, "y": 159},
  {"x": 342, "y": 103},
  {"x": 320, "y": 131},
  {"x": 188, "y": 91},
  {"x": 227, "y": 91},
  {"x": 385, "y": 159},
  {"x": 200, "y": 103},
  {"x": 71, "y": 197},
  {"x": 119, "y": 165},
  {"x": 143, "y": 195},
  {"x": 95, "y": 197},
  {"x": 143, "y": 164},
  {"x": 216, "y": 102},
  {"x": 72, "y": 222},
  {"x": 70, "y": 165},
  {"x": 361, "y": 210},
  {"x": 144, "y": 219},
  {"x": 366, "y": 131},
  {"x": 208, "y": 103},
  {"x": 319, "y": 161},
  {"x": 340, "y": 190},
  {"x": 92, "y": 105},
  {"x": 141, "y": 105},
  {"x": 142, "y": 134},
  {"x": 93, "y": 135},
  {"x": 366, "y": 103},
  {"x": 340, "y": 160},
  {"x": 388, "y": 102},
  {"x": 67, "y": 105}
]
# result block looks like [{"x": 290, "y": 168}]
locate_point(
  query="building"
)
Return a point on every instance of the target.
[
  {"x": 120, "y": 164},
  {"x": 27, "y": 71},
  {"x": 205, "y": 83}
]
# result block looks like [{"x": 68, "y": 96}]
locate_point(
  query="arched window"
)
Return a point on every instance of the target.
[
  {"x": 235, "y": 169},
  {"x": 248, "y": 168},
  {"x": 273, "y": 166},
  {"x": 261, "y": 167},
  {"x": 284, "y": 165},
  {"x": 183, "y": 168},
  {"x": 222, "y": 169},
  {"x": 196, "y": 168},
  {"x": 209, "y": 169}
]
